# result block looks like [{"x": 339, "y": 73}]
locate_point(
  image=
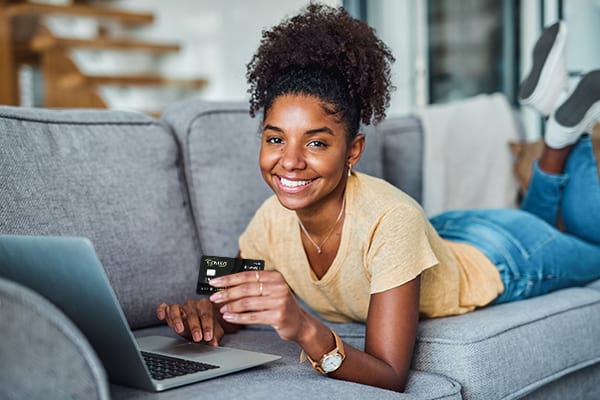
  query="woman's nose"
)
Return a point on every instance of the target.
[{"x": 292, "y": 158}]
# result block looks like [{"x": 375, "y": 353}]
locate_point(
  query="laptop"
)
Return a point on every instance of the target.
[{"x": 68, "y": 273}]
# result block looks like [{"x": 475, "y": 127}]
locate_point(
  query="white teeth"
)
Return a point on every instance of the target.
[{"x": 288, "y": 183}]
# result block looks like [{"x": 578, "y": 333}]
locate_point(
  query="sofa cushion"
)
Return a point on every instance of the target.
[
  {"x": 581, "y": 384},
  {"x": 287, "y": 378},
  {"x": 220, "y": 152},
  {"x": 36, "y": 337},
  {"x": 110, "y": 176},
  {"x": 509, "y": 350},
  {"x": 371, "y": 161},
  {"x": 594, "y": 285},
  {"x": 221, "y": 144},
  {"x": 402, "y": 153}
]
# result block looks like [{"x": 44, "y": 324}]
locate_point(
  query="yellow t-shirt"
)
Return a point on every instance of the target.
[{"x": 386, "y": 241}]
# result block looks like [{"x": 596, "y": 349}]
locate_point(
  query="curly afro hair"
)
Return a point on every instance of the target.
[{"x": 326, "y": 53}]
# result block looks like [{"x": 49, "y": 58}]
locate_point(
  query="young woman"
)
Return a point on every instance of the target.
[{"x": 355, "y": 248}]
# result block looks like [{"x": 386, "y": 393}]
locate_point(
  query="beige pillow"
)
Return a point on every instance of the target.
[{"x": 526, "y": 153}]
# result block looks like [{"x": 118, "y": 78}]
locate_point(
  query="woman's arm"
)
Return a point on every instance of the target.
[
  {"x": 390, "y": 336},
  {"x": 391, "y": 325},
  {"x": 392, "y": 329}
]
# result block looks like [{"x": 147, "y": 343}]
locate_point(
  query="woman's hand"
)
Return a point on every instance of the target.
[
  {"x": 194, "y": 320},
  {"x": 260, "y": 297}
]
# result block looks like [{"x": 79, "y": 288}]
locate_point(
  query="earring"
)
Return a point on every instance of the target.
[{"x": 349, "y": 169}]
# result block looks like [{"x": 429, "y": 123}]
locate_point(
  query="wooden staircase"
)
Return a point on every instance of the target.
[{"x": 25, "y": 40}]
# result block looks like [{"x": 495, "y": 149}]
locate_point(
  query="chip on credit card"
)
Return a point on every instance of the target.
[{"x": 213, "y": 267}]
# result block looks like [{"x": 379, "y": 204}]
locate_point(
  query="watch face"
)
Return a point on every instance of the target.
[{"x": 332, "y": 362}]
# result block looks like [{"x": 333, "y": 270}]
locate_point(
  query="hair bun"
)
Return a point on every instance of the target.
[{"x": 326, "y": 38}]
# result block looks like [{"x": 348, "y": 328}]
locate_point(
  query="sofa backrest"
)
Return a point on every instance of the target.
[
  {"x": 113, "y": 177},
  {"x": 153, "y": 195}
]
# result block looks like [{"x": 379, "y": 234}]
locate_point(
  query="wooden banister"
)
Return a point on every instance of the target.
[
  {"x": 133, "y": 80},
  {"x": 48, "y": 42},
  {"x": 81, "y": 10},
  {"x": 9, "y": 89}
]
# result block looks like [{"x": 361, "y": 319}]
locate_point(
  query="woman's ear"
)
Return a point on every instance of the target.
[{"x": 357, "y": 146}]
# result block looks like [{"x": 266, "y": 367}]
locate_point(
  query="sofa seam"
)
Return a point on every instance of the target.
[
  {"x": 82, "y": 123},
  {"x": 457, "y": 386},
  {"x": 499, "y": 333},
  {"x": 540, "y": 383}
]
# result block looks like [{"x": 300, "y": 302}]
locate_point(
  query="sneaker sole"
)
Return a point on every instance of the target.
[
  {"x": 541, "y": 52},
  {"x": 573, "y": 111}
]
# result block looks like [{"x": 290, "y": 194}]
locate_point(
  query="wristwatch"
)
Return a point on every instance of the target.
[{"x": 330, "y": 361}]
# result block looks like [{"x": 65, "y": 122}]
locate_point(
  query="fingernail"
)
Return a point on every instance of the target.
[
  {"x": 207, "y": 335},
  {"x": 215, "y": 281},
  {"x": 179, "y": 327},
  {"x": 228, "y": 317},
  {"x": 217, "y": 296},
  {"x": 223, "y": 309},
  {"x": 196, "y": 336},
  {"x": 161, "y": 315}
]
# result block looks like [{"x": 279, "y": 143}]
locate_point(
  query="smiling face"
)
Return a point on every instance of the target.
[{"x": 305, "y": 153}]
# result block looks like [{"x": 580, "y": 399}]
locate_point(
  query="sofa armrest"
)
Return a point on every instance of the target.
[{"x": 42, "y": 354}]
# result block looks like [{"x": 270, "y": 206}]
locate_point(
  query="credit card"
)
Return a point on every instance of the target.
[{"x": 213, "y": 267}]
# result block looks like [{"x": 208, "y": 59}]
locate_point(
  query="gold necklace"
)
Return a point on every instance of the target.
[{"x": 319, "y": 247}]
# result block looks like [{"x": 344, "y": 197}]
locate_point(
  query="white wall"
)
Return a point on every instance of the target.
[
  {"x": 217, "y": 38},
  {"x": 401, "y": 25},
  {"x": 583, "y": 22}
]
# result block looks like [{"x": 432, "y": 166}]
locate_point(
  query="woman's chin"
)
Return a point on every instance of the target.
[{"x": 292, "y": 204}]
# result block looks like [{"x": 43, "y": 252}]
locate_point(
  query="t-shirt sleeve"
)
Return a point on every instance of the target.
[{"x": 400, "y": 249}]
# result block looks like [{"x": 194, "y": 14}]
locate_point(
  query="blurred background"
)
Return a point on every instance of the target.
[{"x": 143, "y": 55}]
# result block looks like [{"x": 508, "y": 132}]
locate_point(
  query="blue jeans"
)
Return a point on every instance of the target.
[{"x": 531, "y": 254}]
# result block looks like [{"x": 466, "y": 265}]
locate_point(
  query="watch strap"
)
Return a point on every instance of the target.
[{"x": 339, "y": 348}]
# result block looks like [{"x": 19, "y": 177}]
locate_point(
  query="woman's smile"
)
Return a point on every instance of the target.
[{"x": 292, "y": 185}]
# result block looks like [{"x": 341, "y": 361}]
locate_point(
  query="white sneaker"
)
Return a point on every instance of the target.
[
  {"x": 548, "y": 75},
  {"x": 577, "y": 114}
]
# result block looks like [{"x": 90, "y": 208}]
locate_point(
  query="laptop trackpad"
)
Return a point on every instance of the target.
[
  {"x": 233, "y": 359},
  {"x": 177, "y": 347}
]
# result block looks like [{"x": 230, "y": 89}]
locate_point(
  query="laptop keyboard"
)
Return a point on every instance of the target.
[{"x": 164, "y": 367}]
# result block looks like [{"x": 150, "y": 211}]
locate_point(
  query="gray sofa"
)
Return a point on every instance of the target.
[{"x": 153, "y": 195}]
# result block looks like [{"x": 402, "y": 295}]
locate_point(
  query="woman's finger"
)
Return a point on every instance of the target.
[
  {"x": 193, "y": 323},
  {"x": 250, "y": 304},
  {"x": 204, "y": 310},
  {"x": 251, "y": 318},
  {"x": 161, "y": 312},
  {"x": 269, "y": 283},
  {"x": 174, "y": 318},
  {"x": 245, "y": 277},
  {"x": 251, "y": 289}
]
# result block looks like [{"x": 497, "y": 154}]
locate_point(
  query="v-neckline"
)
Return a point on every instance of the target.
[{"x": 342, "y": 247}]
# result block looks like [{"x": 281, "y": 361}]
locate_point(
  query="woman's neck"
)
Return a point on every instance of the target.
[{"x": 319, "y": 219}]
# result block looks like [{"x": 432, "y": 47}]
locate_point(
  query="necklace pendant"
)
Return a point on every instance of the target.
[{"x": 310, "y": 239}]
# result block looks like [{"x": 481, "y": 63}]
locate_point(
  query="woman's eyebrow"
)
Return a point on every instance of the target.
[
  {"x": 272, "y": 128},
  {"x": 323, "y": 129},
  {"x": 315, "y": 131}
]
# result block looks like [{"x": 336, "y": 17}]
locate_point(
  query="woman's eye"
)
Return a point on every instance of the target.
[
  {"x": 316, "y": 143},
  {"x": 274, "y": 140}
]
